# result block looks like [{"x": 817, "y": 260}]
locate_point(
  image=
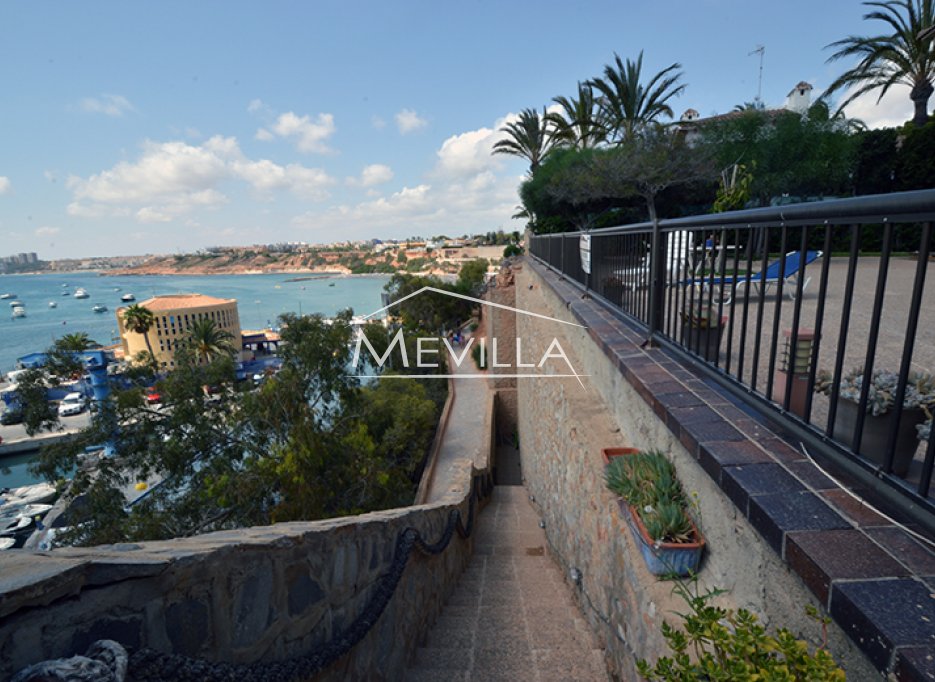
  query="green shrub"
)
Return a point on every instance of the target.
[
  {"x": 732, "y": 646},
  {"x": 477, "y": 358}
]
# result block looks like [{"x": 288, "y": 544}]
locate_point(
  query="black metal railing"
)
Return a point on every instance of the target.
[{"x": 790, "y": 307}]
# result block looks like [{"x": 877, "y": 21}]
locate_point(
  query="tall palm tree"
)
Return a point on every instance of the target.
[
  {"x": 207, "y": 340},
  {"x": 529, "y": 137},
  {"x": 578, "y": 124},
  {"x": 901, "y": 57},
  {"x": 140, "y": 319},
  {"x": 627, "y": 105}
]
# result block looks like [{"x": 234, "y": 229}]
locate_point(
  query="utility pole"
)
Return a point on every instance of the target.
[{"x": 760, "y": 50}]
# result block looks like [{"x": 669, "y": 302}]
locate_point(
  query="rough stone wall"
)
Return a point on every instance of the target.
[
  {"x": 563, "y": 427},
  {"x": 262, "y": 593},
  {"x": 500, "y": 323}
]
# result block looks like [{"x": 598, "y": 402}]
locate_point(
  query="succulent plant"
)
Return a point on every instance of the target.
[
  {"x": 920, "y": 389},
  {"x": 647, "y": 482}
]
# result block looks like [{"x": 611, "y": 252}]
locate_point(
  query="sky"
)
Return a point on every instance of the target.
[{"x": 136, "y": 128}]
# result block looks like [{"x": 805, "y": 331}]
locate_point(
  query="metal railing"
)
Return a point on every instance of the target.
[{"x": 778, "y": 302}]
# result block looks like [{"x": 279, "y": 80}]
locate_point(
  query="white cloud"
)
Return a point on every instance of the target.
[
  {"x": 109, "y": 105},
  {"x": 46, "y": 231},
  {"x": 471, "y": 152},
  {"x": 409, "y": 121},
  {"x": 309, "y": 135},
  {"x": 5, "y": 186},
  {"x": 893, "y": 110},
  {"x": 374, "y": 174},
  {"x": 255, "y": 106},
  {"x": 171, "y": 179},
  {"x": 377, "y": 122},
  {"x": 469, "y": 191}
]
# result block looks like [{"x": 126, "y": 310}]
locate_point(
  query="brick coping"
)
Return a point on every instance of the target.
[{"x": 875, "y": 580}]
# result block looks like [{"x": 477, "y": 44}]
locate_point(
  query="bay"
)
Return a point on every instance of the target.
[
  {"x": 260, "y": 298},
  {"x": 260, "y": 301}
]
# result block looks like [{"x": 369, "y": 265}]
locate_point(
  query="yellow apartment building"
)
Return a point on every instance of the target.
[{"x": 174, "y": 315}]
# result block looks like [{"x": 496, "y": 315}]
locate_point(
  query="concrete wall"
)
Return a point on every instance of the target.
[{"x": 563, "y": 427}]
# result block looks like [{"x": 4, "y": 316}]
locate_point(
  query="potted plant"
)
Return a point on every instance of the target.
[
  {"x": 607, "y": 454},
  {"x": 701, "y": 330},
  {"x": 920, "y": 397},
  {"x": 656, "y": 510}
]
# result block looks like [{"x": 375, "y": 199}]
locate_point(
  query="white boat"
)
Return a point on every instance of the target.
[
  {"x": 34, "y": 510},
  {"x": 10, "y": 525},
  {"x": 6, "y": 296},
  {"x": 99, "y": 308},
  {"x": 65, "y": 293},
  {"x": 19, "y": 311},
  {"x": 36, "y": 493},
  {"x": 13, "y": 304},
  {"x": 80, "y": 293},
  {"x": 53, "y": 304},
  {"x": 6, "y": 543},
  {"x": 126, "y": 298}
]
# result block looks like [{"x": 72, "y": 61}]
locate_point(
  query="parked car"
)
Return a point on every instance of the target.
[
  {"x": 153, "y": 396},
  {"x": 13, "y": 415},
  {"x": 73, "y": 403}
]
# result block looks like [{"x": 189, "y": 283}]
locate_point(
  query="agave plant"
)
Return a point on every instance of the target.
[
  {"x": 881, "y": 397},
  {"x": 647, "y": 482}
]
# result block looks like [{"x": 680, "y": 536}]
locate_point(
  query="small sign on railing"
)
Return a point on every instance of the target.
[{"x": 585, "y": 246}]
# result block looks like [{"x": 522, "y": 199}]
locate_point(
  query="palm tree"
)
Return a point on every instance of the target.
[
  {"x": 207, "y": 340},
  {"x": 578, "y": 124},
  {"x": 140, "y": 319},
  {"x": 901, "y": 57},
  {"x": 76, "y": 342},
  {"x": 530, "y": 137},
  {"x": 627, "y": 105}
]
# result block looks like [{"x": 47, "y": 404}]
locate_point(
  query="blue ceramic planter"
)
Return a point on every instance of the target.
[{"x": 665, "y": 558}]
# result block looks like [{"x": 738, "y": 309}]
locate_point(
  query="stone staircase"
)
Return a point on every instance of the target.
[{"x": 512, "y": 616}]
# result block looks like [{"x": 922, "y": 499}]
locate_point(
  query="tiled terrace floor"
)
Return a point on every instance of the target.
[{"x": 512, "y": 616}]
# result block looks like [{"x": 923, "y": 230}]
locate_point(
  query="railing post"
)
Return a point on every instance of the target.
[{"x": 656, "y": 283}]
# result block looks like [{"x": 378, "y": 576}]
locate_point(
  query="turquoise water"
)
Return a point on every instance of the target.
[{"x": 261, "y": 299}]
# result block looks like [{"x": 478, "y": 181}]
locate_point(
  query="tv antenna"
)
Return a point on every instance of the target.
[{"x": 760, "y": 50}]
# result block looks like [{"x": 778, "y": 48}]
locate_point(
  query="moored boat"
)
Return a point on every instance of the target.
[
  {"x": 6, "y": 296},
  {"x": 80, "y": 293},
  {"x": 126, "y": 298},
  {"x": 99, "y": 308},
  {"x": 53, "y": 304},
  {"x": 19, "y": 311},
  {"x": 36, "y": 493}
]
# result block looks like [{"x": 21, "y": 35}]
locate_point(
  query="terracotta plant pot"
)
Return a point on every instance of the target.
[
  {"x": 608, "y": 453},
  {"x": 664, "y": 558}
]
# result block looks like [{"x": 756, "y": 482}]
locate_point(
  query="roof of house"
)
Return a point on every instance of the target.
[{"x": 182, "y": 301}]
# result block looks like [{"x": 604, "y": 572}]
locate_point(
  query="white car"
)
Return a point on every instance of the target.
[{"x": 73, "y": 403}]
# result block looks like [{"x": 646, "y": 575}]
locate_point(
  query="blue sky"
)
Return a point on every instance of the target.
[{"x": 131, "y": 128}]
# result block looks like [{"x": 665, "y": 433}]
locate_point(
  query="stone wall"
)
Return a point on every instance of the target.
[
  {"x": 255, "y": 594},
  {"x": 563, "y": 426}
]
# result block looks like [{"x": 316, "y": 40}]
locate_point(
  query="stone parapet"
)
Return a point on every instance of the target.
[{"x": 255, "y": 594}]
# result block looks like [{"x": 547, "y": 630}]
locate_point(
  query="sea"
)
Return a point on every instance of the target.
[{"x": 261, "y": 299}]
